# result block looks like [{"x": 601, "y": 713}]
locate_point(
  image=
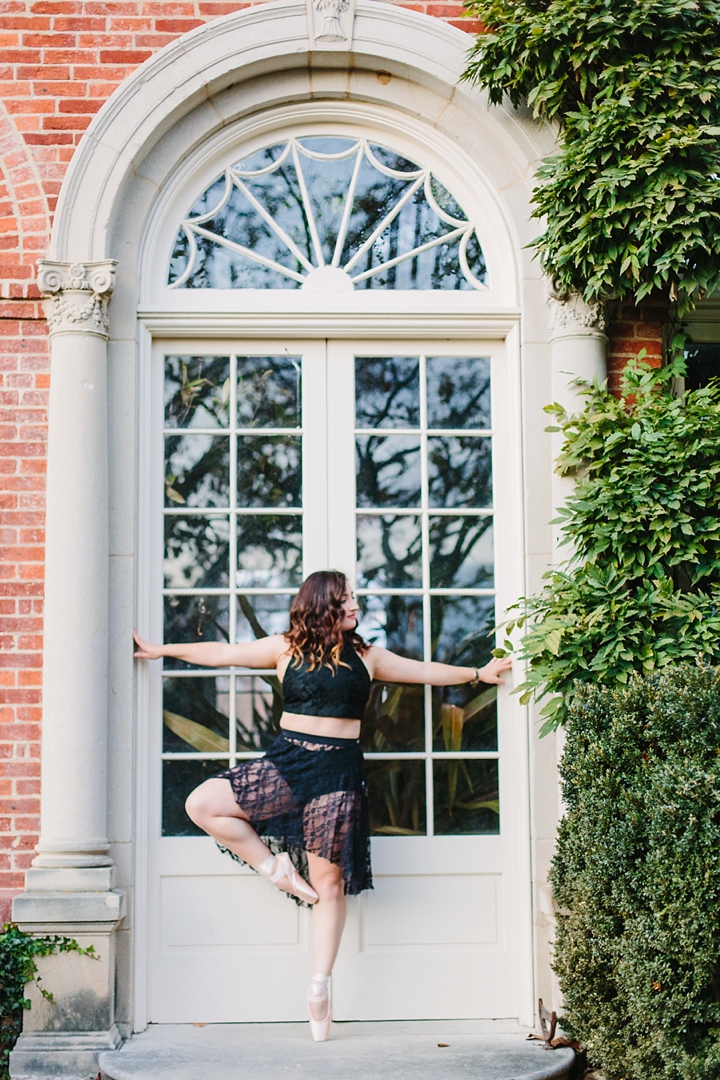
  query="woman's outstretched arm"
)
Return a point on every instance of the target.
[
  {"x": 389, "y": 667},
  {"x": 263, "y": 653}
]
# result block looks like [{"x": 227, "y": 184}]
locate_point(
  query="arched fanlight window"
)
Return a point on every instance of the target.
[{"x": 327, "y": 213}]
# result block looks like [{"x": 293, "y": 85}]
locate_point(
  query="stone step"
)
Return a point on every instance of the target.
[{"x": 396, "y": 1050}]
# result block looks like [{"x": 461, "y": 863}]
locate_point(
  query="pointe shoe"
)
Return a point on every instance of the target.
[
  {"x": 280, "y": 866},
  {"x": 318, "y": 992}
]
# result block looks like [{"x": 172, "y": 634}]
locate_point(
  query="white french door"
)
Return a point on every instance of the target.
[{"x": 398, "y": 465}]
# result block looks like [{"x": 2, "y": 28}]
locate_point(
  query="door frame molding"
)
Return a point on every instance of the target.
[{"x": 156, "y": 328}]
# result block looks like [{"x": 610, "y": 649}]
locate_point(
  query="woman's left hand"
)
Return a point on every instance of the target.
[{"x": 491, "y": 672}]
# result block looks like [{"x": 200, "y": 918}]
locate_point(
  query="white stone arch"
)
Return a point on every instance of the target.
[{"x": 248, "y": 70}]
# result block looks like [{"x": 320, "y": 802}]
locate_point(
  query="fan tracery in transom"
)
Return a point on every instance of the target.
[{"x": 329, "y": 213}]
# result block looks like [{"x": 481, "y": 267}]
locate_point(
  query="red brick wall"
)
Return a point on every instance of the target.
[
  {"x": 59, "y": 61},
  {"x": 631, "y": 329}
]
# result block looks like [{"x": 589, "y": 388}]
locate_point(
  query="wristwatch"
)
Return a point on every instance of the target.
[{"x": 476, "y": 680}]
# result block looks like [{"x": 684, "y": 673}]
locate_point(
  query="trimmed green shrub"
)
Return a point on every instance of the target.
[{"x": 637, "y": 876}]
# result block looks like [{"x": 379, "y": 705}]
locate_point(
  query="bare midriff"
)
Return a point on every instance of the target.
[{"x": 331, "y": 727}]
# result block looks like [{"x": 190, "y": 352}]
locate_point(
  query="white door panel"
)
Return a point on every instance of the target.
[{"x": 442, "y": 934}]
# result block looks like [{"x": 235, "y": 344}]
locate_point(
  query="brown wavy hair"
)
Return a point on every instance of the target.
[{"x": 315, "y": 636}]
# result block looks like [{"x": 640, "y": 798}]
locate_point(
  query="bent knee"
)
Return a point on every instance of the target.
[
  {"x": 330, "y": 887},
  {"x": 198, "y": 805}
]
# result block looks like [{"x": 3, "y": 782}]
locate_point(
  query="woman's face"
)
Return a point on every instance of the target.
[{"x": 350, "y": 611}]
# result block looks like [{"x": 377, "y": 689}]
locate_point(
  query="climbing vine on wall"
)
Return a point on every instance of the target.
[
  {"x": 631, "y": 203},
  {"x": 18, "y": 953}
]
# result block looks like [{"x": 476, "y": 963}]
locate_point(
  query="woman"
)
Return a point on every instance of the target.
[{"x": 307, "y": 796}]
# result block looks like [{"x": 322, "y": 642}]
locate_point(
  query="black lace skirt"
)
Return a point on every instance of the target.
[{"x": 309, "y": 794}]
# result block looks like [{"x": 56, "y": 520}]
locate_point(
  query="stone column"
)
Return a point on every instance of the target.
[
  {"x": 577, "y": 343},
  {"x": 69, "y": 886}
]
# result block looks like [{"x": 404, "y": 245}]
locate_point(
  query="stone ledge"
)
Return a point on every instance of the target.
[
  {"x": 435, "y": 1050},
  {"x": 30, "y": 909},
  {"x": 41, "y": 1055}
]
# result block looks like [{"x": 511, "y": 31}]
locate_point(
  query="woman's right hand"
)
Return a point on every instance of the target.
[{"x": 146, "y": 651}]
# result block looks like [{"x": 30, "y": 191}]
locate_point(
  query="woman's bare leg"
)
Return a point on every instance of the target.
[
  {"x": 328, "y": 918},
  {"x": 212, "y": 806}
]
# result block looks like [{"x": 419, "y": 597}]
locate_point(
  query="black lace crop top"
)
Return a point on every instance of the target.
[{"x": 321, "y": 692}]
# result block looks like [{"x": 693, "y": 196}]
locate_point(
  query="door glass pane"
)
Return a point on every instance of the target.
[
  {"x": 458, "y": 392},
  {"x": 461, "y": 552},
  {"x": 397, "y": 797},
  {"x": 446, "y": 557},
  {"x": 387, "y": 392},
  {"x": 195, "y": 618},
  {"x": 388, "y": 470},
  {"x": 196, "y": 552},
  {"x": 389, "y": 549},
  {"x": 229, "y": 576},
  {"x": 258, "y": 708},
  {"x": 459, "y": 472},
  {"x": 269, "y": 471},
  {"x": 195, "y": 715},
  {"x": 197, "y": 471},
  {"x": 269, "y": 551},
  {"x": 197, "y": 391},
  {"x": 268, "y": 391},
  {"x": 179, "y": 779},
  {"x": 466, "y": 797}
]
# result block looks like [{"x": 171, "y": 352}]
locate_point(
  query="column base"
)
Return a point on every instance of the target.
[{"x": 74, "y": 1055}]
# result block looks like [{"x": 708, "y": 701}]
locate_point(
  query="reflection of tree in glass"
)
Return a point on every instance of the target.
[
  {"x": 268, "y": 392},
  {"x": 460, "y": 472},
  {"x": 197, "y": 549},
  {"x": 387, "y": 392},
  {"x": 269, "y": 551},
  {"x": 204, "y": 481},
  {"x": 458, "y": 392},
  {"x": 193, "y": 700},
  {"x": 196, "y": 387},
  {"x": 451, "y": 542},
  {"x": 269, "y": 471},
  {"x": 388, "y": 470}
]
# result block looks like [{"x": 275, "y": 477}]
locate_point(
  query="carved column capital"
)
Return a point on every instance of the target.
[
  {"x": 571, "y": 316},
  {"x": 76, "y": 295}
]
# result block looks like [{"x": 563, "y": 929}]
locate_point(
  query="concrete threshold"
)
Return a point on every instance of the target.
[{"x": 389, "y": 1050}]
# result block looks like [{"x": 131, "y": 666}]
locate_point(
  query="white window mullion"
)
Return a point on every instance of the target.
[
  {"x": 232, "y": 599},
  {"x": 427, "y": 626}
]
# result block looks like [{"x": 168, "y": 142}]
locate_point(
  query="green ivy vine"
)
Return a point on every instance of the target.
[
  {"x": 641, "y": 590},
  {"x": 18, "y": 953},
  {"x": 631, "y": 203}
]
